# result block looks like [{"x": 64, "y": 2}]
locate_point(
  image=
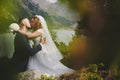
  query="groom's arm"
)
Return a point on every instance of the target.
[{"x": 30, "y": 51}]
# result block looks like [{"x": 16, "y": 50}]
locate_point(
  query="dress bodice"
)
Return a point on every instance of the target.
[{"x": 37, "y": 39}]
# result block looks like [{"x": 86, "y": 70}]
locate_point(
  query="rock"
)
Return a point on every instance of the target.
[{"x": 29, "y": 75}]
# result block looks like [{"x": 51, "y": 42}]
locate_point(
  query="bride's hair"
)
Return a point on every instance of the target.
[{"x": 38, "y": 23}]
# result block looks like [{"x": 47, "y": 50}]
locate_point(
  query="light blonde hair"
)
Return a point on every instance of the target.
[{"x": 38, "y": 24}]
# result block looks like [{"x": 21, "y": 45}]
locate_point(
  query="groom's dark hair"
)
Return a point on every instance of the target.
[{"x": 19, "y": 21}]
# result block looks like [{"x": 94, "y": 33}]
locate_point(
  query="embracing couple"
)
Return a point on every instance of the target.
[{"x": 44, "y": 56}]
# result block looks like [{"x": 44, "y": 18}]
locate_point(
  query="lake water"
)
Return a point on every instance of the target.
[
  {"x": 64, "y": 35},
  {"x": 6, "y": 44}
]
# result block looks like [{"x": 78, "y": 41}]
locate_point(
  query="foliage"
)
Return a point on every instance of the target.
[
  {"x": 46, "y": 77},
  {"x": 114, "y": 72},
  {"x": 53, "y": 34},
  {"x": 8, "y": 13},
  {"x": 63, "y": 48},
  {"x": 76, "y": 47},
  {"x": 11, "y": 11},
  {"x": 85, "y": 73},
  {"x": 90, "y": 72}
]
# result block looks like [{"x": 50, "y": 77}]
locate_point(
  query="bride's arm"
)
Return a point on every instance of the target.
[{"x": 31, "y": 35}]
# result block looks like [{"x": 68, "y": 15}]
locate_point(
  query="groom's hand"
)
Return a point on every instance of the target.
[{"x": 43, "y": 41}]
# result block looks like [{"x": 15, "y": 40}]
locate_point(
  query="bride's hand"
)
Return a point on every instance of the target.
[{"x": 43, "y": 41}]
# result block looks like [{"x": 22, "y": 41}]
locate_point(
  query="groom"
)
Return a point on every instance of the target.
[{"x": 23, "y": 51}]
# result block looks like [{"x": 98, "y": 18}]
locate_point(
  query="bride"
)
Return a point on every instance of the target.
[{"x": 47, "y": 61}]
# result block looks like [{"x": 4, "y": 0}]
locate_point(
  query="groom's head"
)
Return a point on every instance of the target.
[{"x": 25, "y": 22}]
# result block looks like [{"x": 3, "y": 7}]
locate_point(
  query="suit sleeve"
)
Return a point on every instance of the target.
[{"x": 31, "y": 51}]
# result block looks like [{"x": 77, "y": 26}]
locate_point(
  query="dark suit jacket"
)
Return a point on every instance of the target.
[{"x": 22, "y": 53}]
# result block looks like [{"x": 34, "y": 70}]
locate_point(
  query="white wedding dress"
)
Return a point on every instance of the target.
[{"x": 47, "y": 61}]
